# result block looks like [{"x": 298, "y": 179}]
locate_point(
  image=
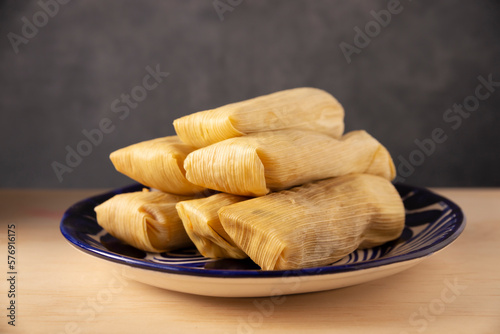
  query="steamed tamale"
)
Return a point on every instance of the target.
[
  {"x": 146, "y": 220},
  {"x": 157, "y": 163},
  {"x": 300, "y": 108},
  {"x": 255, "y": 164},
  {"x": 203, "y": 226},
  {"x": 315, "y": 224}
]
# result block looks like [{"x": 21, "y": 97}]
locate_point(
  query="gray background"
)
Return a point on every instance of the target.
[{"x": 398, "y": 88}]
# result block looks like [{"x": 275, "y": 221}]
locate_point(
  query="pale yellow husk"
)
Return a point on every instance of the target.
[
  {"x": 146, "y": 220},
  {"x": 203, "y": 226},
  {"x": 157, "y": 163},
  {"x": 315, "y": 224},
  {"x": 302, "y": 108},
  {"x": 255, "y": 164}
]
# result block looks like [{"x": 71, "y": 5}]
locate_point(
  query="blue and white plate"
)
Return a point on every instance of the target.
[{"x": 432, "y": 223}]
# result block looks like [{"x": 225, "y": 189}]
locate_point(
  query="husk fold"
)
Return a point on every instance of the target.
[
  {"x": 315, "y": 224},
  {"x": 258, "y": 163},
  {"x": 157, "y": 163},
  {"x": 202, "y": 224},
  {"x": 302, "y": 108},
  {"x": 146, "y": 220}
]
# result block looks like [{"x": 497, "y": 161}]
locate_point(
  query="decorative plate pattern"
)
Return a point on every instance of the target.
[{"x": 432, "y": 222}]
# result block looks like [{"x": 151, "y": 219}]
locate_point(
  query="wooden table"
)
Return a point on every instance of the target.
[{"x": 61, "y": 290}]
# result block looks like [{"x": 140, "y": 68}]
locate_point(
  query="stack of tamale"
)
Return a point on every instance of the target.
[{"x": 271, "y": 178}]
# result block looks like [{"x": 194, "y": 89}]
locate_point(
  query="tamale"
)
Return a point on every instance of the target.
[
  {"x": 146, "y": 220},
  {"x": 315, "y": 224},
  {"x": 157, "y": 163},
  {"x": 255, "y": 164},
  {"x": 299, "y": 108},
  {"x": 203, "y": 226}
]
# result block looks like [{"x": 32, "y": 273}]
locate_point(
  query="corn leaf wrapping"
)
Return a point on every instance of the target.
[
  {"x": 203, "y": 226},
  {"x": 316, "y": 224},
  {"x": 146, "y": 220},
  {"x": 157, "y": 163},
  {"x": 300, "y": 108},
  {"x": 255, "y": 164}
]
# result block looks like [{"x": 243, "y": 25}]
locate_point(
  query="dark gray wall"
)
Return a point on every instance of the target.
[{"x": 65, "y": 78}]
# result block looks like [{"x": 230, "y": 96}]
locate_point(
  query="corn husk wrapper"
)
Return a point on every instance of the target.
[
  {"x": 157, "y": 163},
  {"x": 146, "y": 220},
  {"x": 203, "y": 226},
  {"x": 316, "y": 224},
  {"x": 300, "y": 108},
  {"x": 255, "y": 164}
]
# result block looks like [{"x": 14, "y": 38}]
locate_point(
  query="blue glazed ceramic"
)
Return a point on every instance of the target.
[{"x": 432, "y": 223}]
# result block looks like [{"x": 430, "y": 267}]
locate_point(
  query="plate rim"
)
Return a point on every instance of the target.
[{"x": 453, "y": 234}]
